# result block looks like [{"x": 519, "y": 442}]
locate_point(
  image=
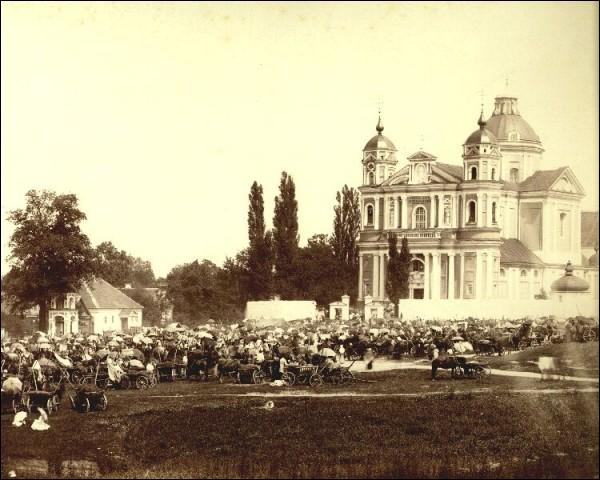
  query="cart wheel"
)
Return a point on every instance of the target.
[
  {"x": 73, "y": 405},
  {"x": 258, "y": 377},
  {"x": 457, "y": 372},
  {"x": 86, "y": 405},
  {"x": 589, "y": 336},
  {"x": 288, "y": 378},
  {"x": 142, "y": 382},
  {"x": 49, "y": 406},
  {"x": 103, "y": 403},
  {"x": 477, "y": 372},
  {"x": 315, "y": 380}
]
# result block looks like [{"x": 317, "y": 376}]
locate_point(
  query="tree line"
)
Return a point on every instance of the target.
[{"x": 51, "y": 256}]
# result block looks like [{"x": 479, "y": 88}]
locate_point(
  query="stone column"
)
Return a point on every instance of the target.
[
  {"x": 461, "y": 285},
  {"x": 375, "y": 288},
  {"x": 451, "y": 276},
  {"x": 360, "y": 276},
  {"x": 400, "y": 206},
  {"x": 479, "y": 211},
  {"x": 490, "y": 275},
  {"x": 479, "y": 277},
  {"x": 426, "y": 278},
  {"x": 435, "y": 276},
  {"x": 382, "y": 275},
  {"x": 405, "y": 211},
  {"x": 376, "y": 213},
  {"x": 431, "y": 210}
]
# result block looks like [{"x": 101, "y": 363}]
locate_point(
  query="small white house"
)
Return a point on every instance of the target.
[
  {"x": 373, "y": 309},
  {"x": 340, "y": 310},
  {"x": 98, "y": 306}
]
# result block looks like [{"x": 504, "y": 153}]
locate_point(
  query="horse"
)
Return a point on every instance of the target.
[
  {"x": 227, "y": 366},
  {"x": 204, "y": 362}
]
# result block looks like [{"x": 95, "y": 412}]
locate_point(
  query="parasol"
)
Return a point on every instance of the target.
[
  {"x": 458, "y": 339},
  {"x": 44, "y": 345},
  {"x": 17, "y": 347},
  {"x": 327, "y": 352},
  {"x": 93, "y": 338},
  {"x": 103, "y": 353},
  {"x": 112, "y": 343}
]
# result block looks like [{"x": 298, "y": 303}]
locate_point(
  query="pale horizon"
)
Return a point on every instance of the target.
[{"x": 159, "y": 116}]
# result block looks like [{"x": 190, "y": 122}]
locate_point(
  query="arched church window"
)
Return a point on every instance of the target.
[
  {"x": 392, "y": 212},
  {"x": 473, "y": 173},
  {"x": 502, "y": 272},
  {"x": 523, "y": 273},
  {"x": 472, "y": 207},
  {"x": 71, "y": 303},
  {"x": 563, "y": 221},
  {"x": 493, "y": 212},
  {"x": 514, "y": 175},
  {"x": 420, "y": 173},
  {"x": 371, "y": 178},
  {"x": 420, "y": 218},
  {"x": 369, "y": 214},
  {"x": 493, "y": 174},
  {"x": 535, "y": 273}
]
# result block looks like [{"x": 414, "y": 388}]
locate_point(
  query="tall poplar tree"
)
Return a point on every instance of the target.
[
  {"x": 259, "y": 252},
  {"x": 404, "y": 260},
  {"x": 285, "y": 237}
]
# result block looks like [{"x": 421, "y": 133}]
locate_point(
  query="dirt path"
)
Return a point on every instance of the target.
[
  {"x": 384, "y": 365},
  {"x": 303, "y": 394}
]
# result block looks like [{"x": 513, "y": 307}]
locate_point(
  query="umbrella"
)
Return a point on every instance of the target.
[
  {"x": 93, "y": 338},
  {"x": 113, "y": 343},
  {"x": 204, "y": 335},
  {"x": 101, "y": 353},
  {"x": 458, "y": 339},
  {"x": 327, "y": 352},
  {"x": 17, "y": 347},
  {"x": 44, "y": 362},
  {"x": 44, "y": 345},
  {"x": 128, "y": 352},
  {"x": 113, "y": 355},
  {"x": 284, "y": 349},
  {"x": 146, "y": 340}
]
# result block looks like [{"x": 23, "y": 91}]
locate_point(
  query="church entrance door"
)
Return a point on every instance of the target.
[{"x": 419, "y": 293}]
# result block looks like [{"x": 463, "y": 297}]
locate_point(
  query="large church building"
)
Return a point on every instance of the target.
[{"x": 496, "y": 227}]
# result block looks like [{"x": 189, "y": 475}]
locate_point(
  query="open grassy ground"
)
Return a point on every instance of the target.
[
  {"x": 459, "y": 429},
  {"x": 580, "y": 359}
]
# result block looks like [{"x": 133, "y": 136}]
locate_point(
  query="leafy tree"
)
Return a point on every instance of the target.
[
  {"x": 319, "y": 273},
  {"x": 259, "y": 262},
  {"x": 392, "y": 284},
  {"x": 404, "y": 260},
  {"x": 346, "y": 228},
  {"x": 112, "y": 264},
  {"x": 49, "y": 253},
  {"x": 285, "y": 237},
  {"x": 197, "y": 293},
  {"x": 118, "y": 268}
]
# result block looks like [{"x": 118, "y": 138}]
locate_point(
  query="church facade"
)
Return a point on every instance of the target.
[{"x": 496, "y": 227}]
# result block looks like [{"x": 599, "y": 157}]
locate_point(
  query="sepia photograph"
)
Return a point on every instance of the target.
[{"x": 299, "y": 239}]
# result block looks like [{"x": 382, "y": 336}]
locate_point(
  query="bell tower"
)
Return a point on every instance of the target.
[{"x": 379, "y": 158}]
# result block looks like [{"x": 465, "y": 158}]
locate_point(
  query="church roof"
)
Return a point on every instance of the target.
[
  {"x": 379, "y": 142},
  {"x": 569, "y": 282},
  {"x": 541, "y": 180},
  {"x": 589, "y": 229},
  {"x": 513, "y": 251},
  {"x": 506, "y": 119},
  {"x": 98, "y": 293},
  {"x": 441, "y": 173}
]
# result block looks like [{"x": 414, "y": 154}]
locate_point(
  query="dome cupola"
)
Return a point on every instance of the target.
[
  {"x": 379, "y": 157},
  {"x": 481, "y": 155},
  {"x": 569, "y": 283}
]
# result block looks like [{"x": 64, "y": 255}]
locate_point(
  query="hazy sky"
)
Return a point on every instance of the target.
[{"x": 159, "y": 116}]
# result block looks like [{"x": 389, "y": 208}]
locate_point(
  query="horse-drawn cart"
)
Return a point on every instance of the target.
[
  {"x": 302, "y": 375},
  {"x": 87, "y": 398},
  {"x": 465, "y": 369}
]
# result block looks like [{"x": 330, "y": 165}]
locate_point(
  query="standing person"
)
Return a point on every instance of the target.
[
  {"x": 282, "y": 365},
  {"x": 369, "y": 358},
  {"x": 342, "y": 352},
  {"x": 435, "y": 360}
]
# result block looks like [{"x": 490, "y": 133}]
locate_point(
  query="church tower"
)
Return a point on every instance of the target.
[
  {"x": 481, "y": 156},
  {"x": 379, "y": 158}
]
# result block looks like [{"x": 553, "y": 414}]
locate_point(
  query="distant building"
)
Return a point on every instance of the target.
[
  {"x": 159, "y": 294},
  {"x": 95, "y": 308},
  {"x": 340, "y": 310},
  {"x": 496, "y": 226}
]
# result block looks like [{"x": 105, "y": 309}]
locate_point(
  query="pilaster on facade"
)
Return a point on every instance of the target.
[
  {"x": 360, "y": 276},
  {"x": 426, "y": 276},
  {"x": 451, "y": 281}
]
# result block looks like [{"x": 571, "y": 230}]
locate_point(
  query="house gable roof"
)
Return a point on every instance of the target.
[
  {"x": 514, "y": 252},
  {"x": 562, "y": 179},
  {"x": 99, "y": 294}
]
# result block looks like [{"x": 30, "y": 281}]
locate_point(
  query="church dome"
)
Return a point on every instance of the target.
[
  {"x": 481, "y": 135},
  {"x": 569, "y": 282},
  {"x": 379, "y": 141},
  {"x": 506, "y": 121}
]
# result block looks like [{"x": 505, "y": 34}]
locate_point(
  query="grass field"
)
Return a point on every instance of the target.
[{"x": 459, "y": 429}]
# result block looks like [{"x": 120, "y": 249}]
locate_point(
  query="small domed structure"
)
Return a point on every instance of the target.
[
  {"x": 379, "y": 141},
  {"x": 593, "y": 260},
  {"x": 482, "y": 135},
  {"x": 569, "y": 283}
]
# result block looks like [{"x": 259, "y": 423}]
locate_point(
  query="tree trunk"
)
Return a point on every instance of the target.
[{"x": 43, "y": 317}]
